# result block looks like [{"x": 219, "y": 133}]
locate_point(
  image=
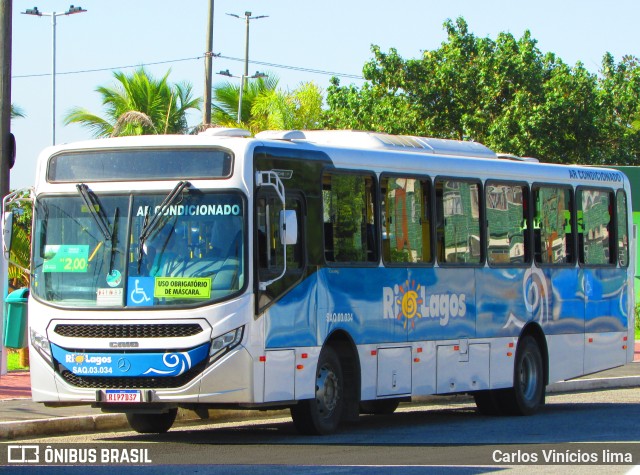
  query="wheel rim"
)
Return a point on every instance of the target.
[
  {"x": 529, "y": 377},
  {"x": 327, "y": 392}
]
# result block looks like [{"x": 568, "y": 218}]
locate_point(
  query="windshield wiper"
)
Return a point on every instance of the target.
[
  {"x": 149, "y": 225},
  {"x": 114, "y": 240},
  {"x": 91, "y": 201}
]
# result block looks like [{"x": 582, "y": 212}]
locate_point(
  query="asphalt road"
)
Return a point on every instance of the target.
[{"x": 584, "y": 428}]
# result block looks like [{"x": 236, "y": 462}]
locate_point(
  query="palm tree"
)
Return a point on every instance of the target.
[
  {"x": 139, "y": 104},
  {"x": 277, "y": 110},
  {"x": 226, "y": 96},
  {"x": 16, "y": 112}
]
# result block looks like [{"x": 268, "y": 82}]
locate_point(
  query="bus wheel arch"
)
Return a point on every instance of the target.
[
  {"x": 337, "y": 388},
  {"x": 533, "y": 329},
  {"x": 530, "y": 374}
]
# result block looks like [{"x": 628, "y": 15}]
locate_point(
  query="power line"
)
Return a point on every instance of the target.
[{"x": 197, "y": 58}]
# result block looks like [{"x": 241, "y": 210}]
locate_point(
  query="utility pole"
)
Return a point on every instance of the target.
[
  {"x": 208, "y": 74},
  {"x": 6, "y": 146},
  {"x": 5, "y": 94},
  {"x": 35, "y": 12}
]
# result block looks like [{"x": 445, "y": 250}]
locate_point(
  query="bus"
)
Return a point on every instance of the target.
[{"x": 334, "y": 273}]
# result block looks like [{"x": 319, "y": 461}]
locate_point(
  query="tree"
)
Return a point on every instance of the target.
[
  {"x": 504, "y": 93},
  {"x": 264, "y": 107},
  {"x": 21, "y": 240},
  {"x": 619, "y": 116},
  {"x": 299, "y": 109},
  {"x": 226, "y": 98},
  {"x": 139, "y": 104},
  {"x": 16, "y": 112}
]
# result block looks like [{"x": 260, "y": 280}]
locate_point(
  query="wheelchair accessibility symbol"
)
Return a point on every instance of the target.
[{"x": 140, "y": 292}]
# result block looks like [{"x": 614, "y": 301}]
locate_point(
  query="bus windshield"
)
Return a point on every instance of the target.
[{"x": 89, "y": 251}]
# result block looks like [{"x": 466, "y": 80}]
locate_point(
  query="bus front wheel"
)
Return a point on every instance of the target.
[
  {"x": 152, "y": 423},
  {"x": 322, "y": 414}
]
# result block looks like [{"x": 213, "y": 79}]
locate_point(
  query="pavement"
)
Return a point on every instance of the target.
[{"x": 20, "y": 417}]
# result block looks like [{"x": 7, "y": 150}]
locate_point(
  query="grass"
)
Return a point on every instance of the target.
[{"x": 13, "y": 361}]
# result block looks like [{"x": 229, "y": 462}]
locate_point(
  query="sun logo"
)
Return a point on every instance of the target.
[
  {"x": 79, "y": 358},
  {"x": 409, "y": 303}
]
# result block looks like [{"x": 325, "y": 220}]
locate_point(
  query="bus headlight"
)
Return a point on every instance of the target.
[
  {"x": 41, "y": 345},
  {"x": 225, "y": 343}
]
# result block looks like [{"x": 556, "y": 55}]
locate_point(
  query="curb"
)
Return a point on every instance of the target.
[
  {"x": 578, "y": 385},
  {"x": 109, "y": 422}
]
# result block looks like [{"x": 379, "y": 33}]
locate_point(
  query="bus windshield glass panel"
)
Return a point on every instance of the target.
[
  {"x": 109, "y": 256},
  {"x": 142, "y": 164}
]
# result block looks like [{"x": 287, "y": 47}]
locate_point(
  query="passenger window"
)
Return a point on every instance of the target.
[
  {"x": 595, "y": 226},
  {"x": 552, "y": 225},
  {"x": 623, "y": 235},
  {"x": 507, "y": 230},
  {"x": 349, "y": 218},
  {"x": 406, "y": 223},
  {"x": 458, "y": 222},
  {"x": 270, "y": 252}
]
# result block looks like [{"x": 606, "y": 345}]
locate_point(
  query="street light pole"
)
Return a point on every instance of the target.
[
  {"x": 35, "y": 12},
  {"x": 248, "y": 18},
  {"x": 244, "y": 77}
]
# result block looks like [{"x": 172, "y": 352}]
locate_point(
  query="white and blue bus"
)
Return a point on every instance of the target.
[{"x": 332, "y": 272}]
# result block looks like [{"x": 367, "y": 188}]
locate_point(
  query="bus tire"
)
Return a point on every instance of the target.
[
  {"x": 154, "y": 423},
  {"x": 379, "y": 406},
  {"x": 321, "y": 415},
  {"x": 527, "y": 394}
]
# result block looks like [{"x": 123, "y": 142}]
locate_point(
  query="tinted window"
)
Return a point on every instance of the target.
[
  {"x": 406, "y": 233},
  {"x": 552, "y": 225},
  {"x": 458, "y": 222},
  {"x": 506, "y": 223},
  {"x": 349, "y": 218},
  {"x": 126, "y": 165},
  {"x": 595, "y": 226},
  {"x": 623, "y": 235}
]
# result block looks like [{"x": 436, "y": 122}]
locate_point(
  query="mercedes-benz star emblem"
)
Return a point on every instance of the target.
[{"x": 124, "y": 365}]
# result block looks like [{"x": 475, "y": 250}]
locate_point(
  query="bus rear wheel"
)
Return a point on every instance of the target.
[
  {"x": 527, "y": 394},
  {"x": 322, "y": 414},
  {"x": 152, "y": 423}
]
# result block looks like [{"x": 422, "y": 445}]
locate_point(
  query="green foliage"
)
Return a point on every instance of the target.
[
  {"x": 20, "y": 243},
  {"x": 278, "y": 110},
  {"x": 138, "y": 105},
  {"x": 504, "y": 93},
  {"x": 264, "y": 107},
  {"x": 16, "y": 112},
  {"x": 226, "y": 99},
  {"x": 13, "y": 361}
]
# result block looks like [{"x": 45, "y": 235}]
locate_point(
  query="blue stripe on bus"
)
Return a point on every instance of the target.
[{"x": 393, "y": 305}]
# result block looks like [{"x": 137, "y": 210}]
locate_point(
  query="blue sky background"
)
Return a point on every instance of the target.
[{"x": 331, "y": 36}]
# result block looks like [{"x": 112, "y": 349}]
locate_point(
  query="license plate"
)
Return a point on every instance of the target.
[{"x": 121, "y": 395}]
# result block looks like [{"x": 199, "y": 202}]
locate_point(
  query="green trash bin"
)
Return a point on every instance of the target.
[{"x": 15, "y": 319}]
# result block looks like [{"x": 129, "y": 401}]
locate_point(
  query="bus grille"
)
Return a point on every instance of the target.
[
  {"x": 98, "y": 382},
  {"x": 127, "y": 330}
]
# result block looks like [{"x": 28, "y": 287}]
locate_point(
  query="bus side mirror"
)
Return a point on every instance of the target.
[
  {"x": 7, "y": 233},
  {"x": 288, "y": 227}
]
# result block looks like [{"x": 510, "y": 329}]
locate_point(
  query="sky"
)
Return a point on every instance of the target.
[{"x": 299, "y": 40}]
